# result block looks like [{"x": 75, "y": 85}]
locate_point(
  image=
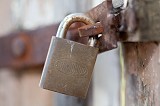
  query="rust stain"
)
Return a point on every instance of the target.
[
  {"x": 90, "y": 30},
  {"x": 103, "y": 13}
]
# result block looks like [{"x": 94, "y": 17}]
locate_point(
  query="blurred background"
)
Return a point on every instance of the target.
[{"x": 19, "y": 87}]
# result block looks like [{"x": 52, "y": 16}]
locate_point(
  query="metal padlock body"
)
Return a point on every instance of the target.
[{"x": 69, "y": 65}]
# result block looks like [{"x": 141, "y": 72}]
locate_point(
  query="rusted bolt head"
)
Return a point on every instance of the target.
[{"x": 18, "y": 47}]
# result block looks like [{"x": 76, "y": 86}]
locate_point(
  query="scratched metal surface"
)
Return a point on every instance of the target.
[{"x": 68, "y": 68}]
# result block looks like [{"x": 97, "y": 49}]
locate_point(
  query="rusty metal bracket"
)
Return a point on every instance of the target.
[
  {"x": 104, "y": 14},
  {"x": 25, "y": 48},
  {"x": 134, "y": 23}
]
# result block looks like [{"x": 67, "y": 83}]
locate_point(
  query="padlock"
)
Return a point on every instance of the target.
[{"x": 69, "y": 65}]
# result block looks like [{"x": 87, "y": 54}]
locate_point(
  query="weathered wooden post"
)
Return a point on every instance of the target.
[{"x": 142, "y": 60}]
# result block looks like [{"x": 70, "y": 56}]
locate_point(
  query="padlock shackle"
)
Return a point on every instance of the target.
[{"x": 70, "y": 19}]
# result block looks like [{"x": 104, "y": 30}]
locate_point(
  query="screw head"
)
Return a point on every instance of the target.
[{"x": 18, "y": 47}]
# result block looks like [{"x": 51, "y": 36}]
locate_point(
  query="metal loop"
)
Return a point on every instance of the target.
[{"x": 68, "y": 20}]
